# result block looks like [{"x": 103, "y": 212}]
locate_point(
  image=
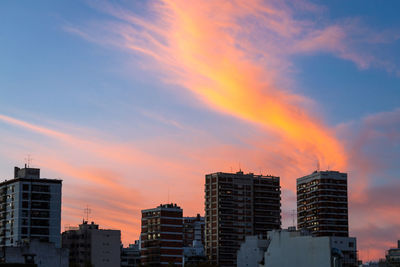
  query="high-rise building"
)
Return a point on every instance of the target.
[
  {"x": 193, "y": 229},
  {"x": 90, "y": 246},
  {"x": 322, "y": 206},
  {"x": 236, "y": 205},
  {"x": 162, "y": 235},
  {"x": 30, "y": 208}
]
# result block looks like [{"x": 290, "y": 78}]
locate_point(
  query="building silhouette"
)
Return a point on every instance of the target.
[
  {"x": 236, "y": 205},
  {"x": 322, "y": 206},
  {"x": 30, "y": 208},
  {"x": 162, "y": 236}
]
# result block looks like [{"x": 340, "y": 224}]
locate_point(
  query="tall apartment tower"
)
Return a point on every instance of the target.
[
  {"x": 30, "y": 208},
  {"x": 236, "y": 205},
  {"x": 322, "y": 206},
  {"x": 90, "y": 246},
  {"x": 162, "y": 236}
]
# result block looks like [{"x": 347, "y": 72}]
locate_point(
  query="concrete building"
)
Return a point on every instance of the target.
[
  {"x": 393, "y": 256},
  {"x": 91, "y": 245},
  {"x": 236, "y": 205},
  {"x": 287, "y": 248},
  {"x": 130, "y": 256},
  {"x": 162, "y": 235},
  {"x": 193, "y": 229},
  {"x": 30, "y": 208},
  {"x": 251, "y": 252},
  {"x": 43, "y": 254},
  {"x": 322, "y": 206}
]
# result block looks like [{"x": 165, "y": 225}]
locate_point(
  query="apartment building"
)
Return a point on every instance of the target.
[
  {"x": 30, "y": 208},
  {"x": 322, "y": 206},
  {"x": 91, "y": 246},
  {"x": 236, "y": 205},
  {"x": 162, "y": 235}
]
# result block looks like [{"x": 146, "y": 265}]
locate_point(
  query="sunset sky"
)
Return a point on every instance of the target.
[{"x": 131, "y": 103}]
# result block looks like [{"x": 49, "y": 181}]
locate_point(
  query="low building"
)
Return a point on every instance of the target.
[
  {"x": 393, "y": 256},
  {"x": 130, "y": 256},
  {"x": 287, "y": 248},
  {"x": 251, "y": 252},
  {"x": 43, "y": 254},
  {"x": 91, "y": 245}
]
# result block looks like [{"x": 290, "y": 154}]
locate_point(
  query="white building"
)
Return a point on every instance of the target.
[
  {"x": 30, "y": 208},
  {"x": 91, "y": 245},
  {"x": 251, "y": 252},
  {"x": 284, "y": 248},
  {"x": 43, "y": 254}
]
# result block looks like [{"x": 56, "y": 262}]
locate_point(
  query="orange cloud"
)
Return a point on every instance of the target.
[{"x": 199, "y": 47}]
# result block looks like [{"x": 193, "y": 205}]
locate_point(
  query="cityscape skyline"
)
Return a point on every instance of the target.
[{"x": 132, "y": 104}]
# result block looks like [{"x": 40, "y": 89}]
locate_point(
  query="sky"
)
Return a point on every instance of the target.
[{"x": 131, "y": 103}]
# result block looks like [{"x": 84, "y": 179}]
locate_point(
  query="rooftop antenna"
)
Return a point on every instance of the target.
[
  {"x": 87, "y": 211},
  {"x": 28, "y": 161},
  {"x": 168, "y": 194},
  {"x": 318, "y": 166},
  {"x": 240, "y": 168},
  {"x": 293, "y": 214}
]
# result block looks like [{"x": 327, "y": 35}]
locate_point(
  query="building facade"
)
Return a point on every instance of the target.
[
  {"x": 287, "y": 248},
  {"x": 322, "y": 206},
  {"x": 162, "y": 235},
  {"x": 236, "y": 205},
  {"x": 251, "y": 252},
  {"x": 193, "y": 229},
  {"x": 30, "y": 208},
  {"x": 90, "y": 246},
  {"x": 35, "y": 252}
]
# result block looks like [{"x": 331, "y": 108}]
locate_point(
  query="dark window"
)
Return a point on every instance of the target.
[
  {"x": 38, "y": 196},
  {"x": 41, "y": 188},
  {"x": 25, "y": 204},
  {"x": 40, "y": 205},
  {"x": 39, "y": 231},
  {"x": 25, "y": 196},
  {"x": 40, "y": 214},
  {"x": 25, "y": 187},
  {"x": 39, "y": 222},
  {"x": 24, "y": 230}
]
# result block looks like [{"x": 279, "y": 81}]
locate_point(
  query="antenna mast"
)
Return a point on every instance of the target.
[{"x": 87, "y": 211}]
